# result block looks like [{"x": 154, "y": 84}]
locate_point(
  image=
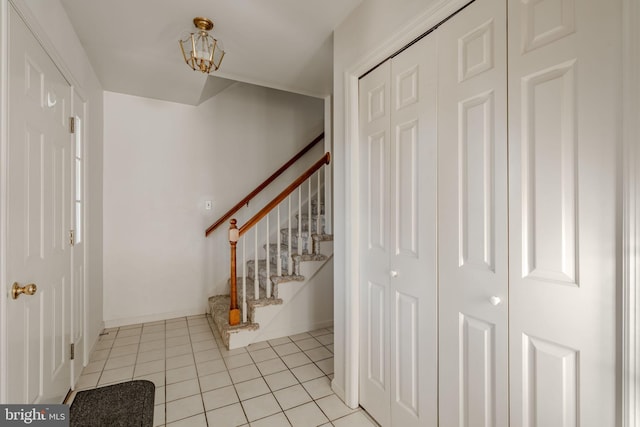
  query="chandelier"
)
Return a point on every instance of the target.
[{"x": 200, "y": 50}]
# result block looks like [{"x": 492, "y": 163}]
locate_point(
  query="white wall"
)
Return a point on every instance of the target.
[
  {"x": 49, "y": 22},
  {"x": 162, "y": 161},
  {"x": 310, "y": 309},
  {"x": 373, "y": 30}
]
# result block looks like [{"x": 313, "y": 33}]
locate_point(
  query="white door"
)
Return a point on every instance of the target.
[
  {"x": 472, "y": 220},
  {"x": 375, "y": 251},
  {"x": 78, "y": 205},
  {"x": 564, "y": 103},
  {"x": 398, "y": 363},
  {"x": 39, "y": 205}
]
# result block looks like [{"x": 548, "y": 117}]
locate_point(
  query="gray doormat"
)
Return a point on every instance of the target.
[{"x": 122, "y": 405}]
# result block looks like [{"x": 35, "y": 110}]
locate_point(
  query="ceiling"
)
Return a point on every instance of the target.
[{"x": 282, "y": 44}]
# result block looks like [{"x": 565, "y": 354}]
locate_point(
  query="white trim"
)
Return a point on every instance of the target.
[
  {"x": 115, "y": 323},
  {"x": 4, "y": 140},
  {"x": 94, "y": 343},
  {"x": 352, "y": 254},
  {"x": 427, "y": 20},
  {"x": 631, "y": 213},
  {"x": 414, "y": 29},
  {"x": 88, "y": 152},
  {"x": 40, "y": 34},
  {"x": 328, "y": 174},
  {"x": 85, "y": 236},
  {"x": 83, "y": 129},
  {"x": 337, "y": 390}
]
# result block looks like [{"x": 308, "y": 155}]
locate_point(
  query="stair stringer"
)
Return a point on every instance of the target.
[
  {"x": 300, "y": 315},
  {"x": 265, "y": 315}
]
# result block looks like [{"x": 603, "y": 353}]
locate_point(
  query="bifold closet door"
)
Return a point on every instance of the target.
[
  {"x": 375, "y": 250},
  {"x": 398, "y": 297},
  {"x": 472, "y": 220},
  {"x": 564, "y": 130}
]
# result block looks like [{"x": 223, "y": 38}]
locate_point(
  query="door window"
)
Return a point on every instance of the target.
[{"x": 78, "y": 199}]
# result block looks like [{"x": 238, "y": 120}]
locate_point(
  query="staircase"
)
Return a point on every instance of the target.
[{"x": 277, "y": 281}]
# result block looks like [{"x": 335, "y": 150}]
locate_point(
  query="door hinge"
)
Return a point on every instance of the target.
[
  {"x": 72, "y": 124},
  {"x": 73, "y": 351},
  {"x": 71, "y": 238}
]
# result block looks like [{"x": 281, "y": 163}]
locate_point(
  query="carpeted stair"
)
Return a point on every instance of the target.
[{"x": 262, "y": 309}]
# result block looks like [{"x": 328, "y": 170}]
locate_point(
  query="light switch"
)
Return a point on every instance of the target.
[{"x": 207, "y": 205}]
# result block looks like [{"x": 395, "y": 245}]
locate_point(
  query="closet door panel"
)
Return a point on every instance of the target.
[
  {"x": 375, "y": 245},
  {"x": 413, "y": 276},
  {"x": 472, "y": 221},
  {"x": 564, "y": 105}
]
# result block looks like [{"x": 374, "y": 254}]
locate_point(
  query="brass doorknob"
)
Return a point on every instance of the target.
[{"x": 18, "y": 290}]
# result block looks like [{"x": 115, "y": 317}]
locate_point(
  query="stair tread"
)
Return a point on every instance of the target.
[
  {"x": 306, "y": 215},
  {"x": 262, "y": 293},
  {"x": 284, "y": 246},
  {"x": 294, "y": 231},
  {"x": 262, "y": 270},
  {"x": 261, "y": 263},
  {"x": 219, "y": 305}
]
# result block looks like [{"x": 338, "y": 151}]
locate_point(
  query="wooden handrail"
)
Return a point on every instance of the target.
[
  {"x": 262, "y": 186},
  {"x": 325, "y": 160},
  {"x": 235, "y": 233}
]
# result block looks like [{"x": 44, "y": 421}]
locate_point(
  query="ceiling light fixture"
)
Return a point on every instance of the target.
[{"x": 200, "y": 50}]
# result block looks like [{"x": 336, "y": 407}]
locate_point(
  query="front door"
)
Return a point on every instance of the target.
[{"x": 39, "y": 213}]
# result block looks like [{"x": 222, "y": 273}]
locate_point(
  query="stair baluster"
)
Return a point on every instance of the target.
[
  {"x": 256, "y": 278},
  {"x": 299, "y": 220},
  {"x": 244, "y": 279},
  {"x": 293, "y": 262},
  {"x": 268, "y": 289},
  {"x": 289, "y": 248},
  {"x": 318, "y": 207},
  {"x": 278, "y": 250},
  {"x": 316, "y": 244},
  {"x": 308, "y": 215}
]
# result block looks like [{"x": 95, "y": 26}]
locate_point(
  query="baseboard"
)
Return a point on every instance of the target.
[
  {"x": 92, "y": 347},
  {"x": 89, "y": 349},
  {"x": 114, "y": 323},
  {"x": 90, "y": 344},
  {"x": 269, "y": 335},
  {"x": 321, "y": 325},
  {"x": 339, "y": 392}
]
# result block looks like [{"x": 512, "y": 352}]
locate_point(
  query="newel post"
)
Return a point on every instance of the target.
[{"x": 234, "y": 312}]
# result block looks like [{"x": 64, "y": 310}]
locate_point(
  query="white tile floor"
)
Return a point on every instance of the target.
[{"x": 283, "y": 382}]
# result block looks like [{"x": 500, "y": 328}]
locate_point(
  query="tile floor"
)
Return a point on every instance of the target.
[{"x": 282, "y": 382}]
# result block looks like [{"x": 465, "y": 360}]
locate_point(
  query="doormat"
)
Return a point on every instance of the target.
[{"x": 125, "y": 404}]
